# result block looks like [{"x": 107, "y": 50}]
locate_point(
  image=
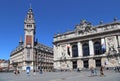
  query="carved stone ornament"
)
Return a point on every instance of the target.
[
  {"x": 84, "y": 27},
  {"x": 63, "y": 51},
  {"x": 111, "y": 47}
]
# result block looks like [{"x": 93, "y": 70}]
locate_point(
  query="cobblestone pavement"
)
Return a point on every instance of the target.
[{"x": 61, "y": 76}]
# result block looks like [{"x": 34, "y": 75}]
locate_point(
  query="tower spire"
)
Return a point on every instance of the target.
[
  {"x": 20, "y": 42},
  {"x": 30, "y": 15},
  {"x": 30, "y": 6}
]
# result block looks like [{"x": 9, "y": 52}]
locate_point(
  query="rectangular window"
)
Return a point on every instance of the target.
[{"x": 28, "y": 54}]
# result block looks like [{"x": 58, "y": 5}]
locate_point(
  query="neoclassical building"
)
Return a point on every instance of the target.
[
  {"x": 30, "y": 54},
  {"x": 88, "y": 46}
]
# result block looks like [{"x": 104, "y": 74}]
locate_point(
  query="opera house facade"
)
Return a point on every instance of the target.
[{"x": 88, "y": 46}]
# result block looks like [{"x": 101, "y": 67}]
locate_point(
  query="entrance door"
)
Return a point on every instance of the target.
[
  {"x": 98, "y": 62},
  {"x": 86, "y": 64},
  {"x": 28, "y": 69},
  {"x": 74, "y": 64}
]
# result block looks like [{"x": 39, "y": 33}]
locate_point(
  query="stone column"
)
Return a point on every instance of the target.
[
  {"x": 55, "y": 52},
  {"x": 119, "y": 40},
  {"x": 91, "y": 48},
  {"x": 59, "y": 51},
  {"x": 80, "y": 64},
  {"x": 116, "y": 43},
  {"x": 92, "y": 63},
  {"x": 80, "y": 54}
]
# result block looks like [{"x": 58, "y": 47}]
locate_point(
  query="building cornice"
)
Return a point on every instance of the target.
[{"x": 89, "y": 37}]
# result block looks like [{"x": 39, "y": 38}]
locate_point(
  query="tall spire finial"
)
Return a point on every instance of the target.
[
  {"x": 101, "y": 22},
  {"x": 20, "y": 42},
  {"x": 30, "y": 6},
  {"x": 115, "y": 19},
  {"x": 20, "y": 38}
]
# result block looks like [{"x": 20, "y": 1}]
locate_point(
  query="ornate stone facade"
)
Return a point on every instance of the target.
[
  {"x": 30, "y": 54},
  {"x": 88, "y": 46}
]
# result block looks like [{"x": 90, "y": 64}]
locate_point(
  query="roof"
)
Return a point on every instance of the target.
[
  {"x": 42, "y": 47},
  {"x": 17, "y": 49},
  {"x": 94, "y": 27}
]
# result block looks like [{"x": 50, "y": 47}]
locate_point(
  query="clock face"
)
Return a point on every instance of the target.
[
  {"x": 28, "y": 46},
  {"x": 28, "y": 40}
]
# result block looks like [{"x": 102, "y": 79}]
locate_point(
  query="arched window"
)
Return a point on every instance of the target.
[
  {"x": 97, "y": 48},
  {"x": 85, "y": 49},
  {"x": 74, "y": 51}
]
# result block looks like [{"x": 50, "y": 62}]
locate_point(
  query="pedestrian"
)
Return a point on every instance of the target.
[
  {"x": 115, "y": 69},
  {"x": 95, "y": 72},
  {"x": 14, "y": 71},
  {"x": 78, "y": 70},
  {"x": 27, "y": 71},
  {"x": 101, "y": 71},
  {"x": 40, "y": 71},
  {"x": 18, "y": 72},
  {"x": 92, "y": 71},
  {"x": 34, "y": 72}
]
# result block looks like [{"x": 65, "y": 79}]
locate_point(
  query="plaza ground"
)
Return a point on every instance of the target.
[{"x": 61, "y": 76}]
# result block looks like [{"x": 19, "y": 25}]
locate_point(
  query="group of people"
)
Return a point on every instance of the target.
[
  {"x": 34, "y": 71},
  {"x": 16, "y": 72},
  {"x": 117, "y": 69},
  {"x": 94, "y": 72},
  {"x": 27, "y": 72},
  {"x": 92, "y": 69}
]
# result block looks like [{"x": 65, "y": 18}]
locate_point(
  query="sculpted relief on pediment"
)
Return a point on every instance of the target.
[{"x": 84, "y": 27}]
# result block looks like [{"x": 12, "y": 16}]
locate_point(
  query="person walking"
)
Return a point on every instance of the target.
[
  {"x": 95, "y": 72},
  {"x": 41, "y": 71},
  {"x": 101, "y": 71},
  {"x": 34, "y": 72},
  {"x": 78, "y": 70},
  {"x": 92, "y": 71}
]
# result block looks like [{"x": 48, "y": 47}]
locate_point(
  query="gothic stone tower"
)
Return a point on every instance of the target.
[{"x": 29, "y": 30}]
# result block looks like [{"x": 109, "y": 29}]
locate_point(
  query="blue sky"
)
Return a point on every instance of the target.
[{"x": 51, "y": 16}]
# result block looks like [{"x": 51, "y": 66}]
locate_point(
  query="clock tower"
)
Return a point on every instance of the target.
[{"x": 29, "y": 30}]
